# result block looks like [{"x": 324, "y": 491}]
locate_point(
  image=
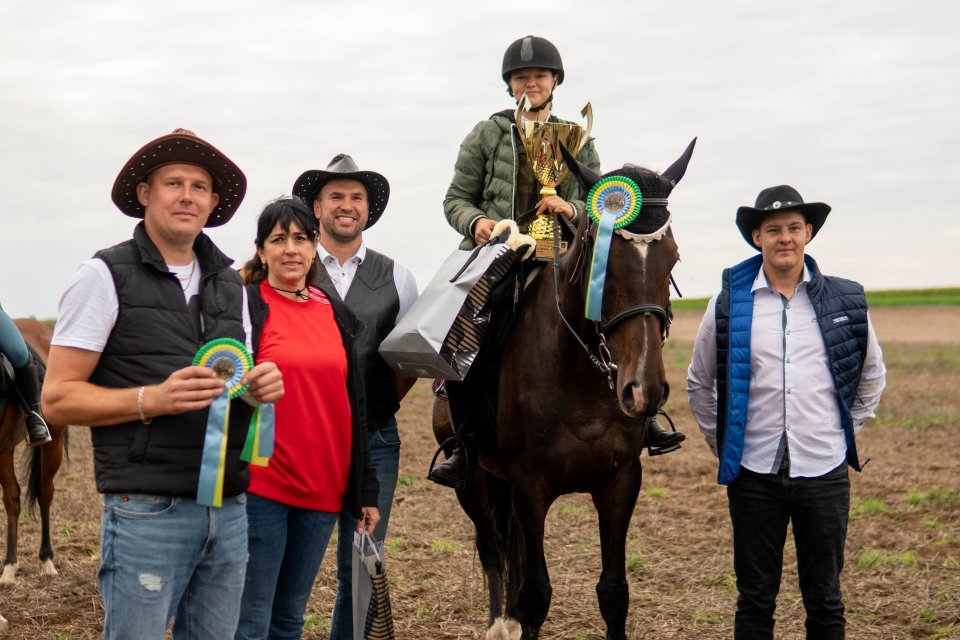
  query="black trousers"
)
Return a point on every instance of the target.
[{"x": 761, "y": 505}]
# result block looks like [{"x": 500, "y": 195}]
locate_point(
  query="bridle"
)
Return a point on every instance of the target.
[{"x": 603, "y": 360}]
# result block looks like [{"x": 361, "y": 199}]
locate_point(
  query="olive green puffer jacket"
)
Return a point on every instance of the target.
[{"x": 485, "y": 174}]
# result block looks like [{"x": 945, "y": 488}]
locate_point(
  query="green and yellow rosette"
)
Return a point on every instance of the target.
[
  {"x": 613, "y": 203},
  {"x": 230, "y": 361}
]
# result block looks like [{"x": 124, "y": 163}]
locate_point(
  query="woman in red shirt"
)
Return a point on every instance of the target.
[{"x": 320, "y": 461}]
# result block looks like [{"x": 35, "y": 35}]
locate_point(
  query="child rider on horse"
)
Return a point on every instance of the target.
[
  {"x": 26, "y": 378},
  {"x": 493, "y": 181}
]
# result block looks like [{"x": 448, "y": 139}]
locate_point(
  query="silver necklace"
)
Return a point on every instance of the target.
[{"x": 185, "y": 280}]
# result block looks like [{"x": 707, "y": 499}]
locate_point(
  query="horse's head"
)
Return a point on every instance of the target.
[{"x": 630, "y": 289}]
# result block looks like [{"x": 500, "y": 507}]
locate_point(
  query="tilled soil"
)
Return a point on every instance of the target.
[{"x": 902, "y": 578}]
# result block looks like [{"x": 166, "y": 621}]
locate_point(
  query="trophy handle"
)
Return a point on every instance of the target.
[
  {"x": 523, "y": 104},
  {"x": 586, "y": 112}
]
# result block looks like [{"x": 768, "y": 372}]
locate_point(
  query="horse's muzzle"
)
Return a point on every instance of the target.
[{"x": 636, "y": 401}]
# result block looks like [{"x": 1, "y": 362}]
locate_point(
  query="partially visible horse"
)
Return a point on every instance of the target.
[
  {"x": 574, "y": 397},
  {"x": 42, "y": 462}
]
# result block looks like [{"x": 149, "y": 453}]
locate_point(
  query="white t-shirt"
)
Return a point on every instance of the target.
[{"x": 88, "y": 308}]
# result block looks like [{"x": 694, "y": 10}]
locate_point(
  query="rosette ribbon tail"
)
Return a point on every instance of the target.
[
  {"x": 259, "y": 444},
  {"x": 598, "y": 266},
  {"x": 213, "y": 462}
]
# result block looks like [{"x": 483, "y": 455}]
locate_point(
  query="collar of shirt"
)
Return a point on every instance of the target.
[
  {"x": 359, "y": 256},
  {"x": 760, "y": 282},
  {"x": 342, "y": 275}
]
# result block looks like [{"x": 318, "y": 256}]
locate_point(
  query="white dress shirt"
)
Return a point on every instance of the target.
[
  {"x": 342, "y": 276},
  {"x": 791, "y": 389}
]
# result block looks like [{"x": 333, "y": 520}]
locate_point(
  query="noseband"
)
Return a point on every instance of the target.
[{"x": 603, "y": 360}]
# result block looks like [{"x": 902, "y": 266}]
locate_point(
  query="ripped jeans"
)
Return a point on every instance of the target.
[{"x": 164, "y": 557}]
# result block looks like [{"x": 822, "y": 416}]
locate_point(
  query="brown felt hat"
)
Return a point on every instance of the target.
[
  {"x": 774, "y": 200},
  {"x": 181, "y": 146}
]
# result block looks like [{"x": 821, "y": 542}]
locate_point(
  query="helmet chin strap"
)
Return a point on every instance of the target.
[{"x": 546, "y": 103}]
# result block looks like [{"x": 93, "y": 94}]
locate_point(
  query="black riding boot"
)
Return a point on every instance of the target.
[
  {"x": 29, "y": 385},
  {"x": 452, "y": 472},
  {"x": 659, "y": 440}
]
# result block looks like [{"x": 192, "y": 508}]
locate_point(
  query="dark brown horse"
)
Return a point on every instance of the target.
[
  {"x": 574, "y": 397},
  {"x": 42, "y": 463}
]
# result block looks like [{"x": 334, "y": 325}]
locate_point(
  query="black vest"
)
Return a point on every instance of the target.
[
  {"x": 374, "y": 300},
  {"x": 155, "y": 334}
]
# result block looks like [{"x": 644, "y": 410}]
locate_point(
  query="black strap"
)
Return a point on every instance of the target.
[{"x": 300, "y": 293}]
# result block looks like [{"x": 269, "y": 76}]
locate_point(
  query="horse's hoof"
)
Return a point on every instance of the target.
[
  {"x": 48, "y": 571},
  {"x": 9, "y": 575},
  {"x": 504, "y": 629}
]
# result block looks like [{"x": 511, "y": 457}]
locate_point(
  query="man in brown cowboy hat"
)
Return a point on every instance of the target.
[
  {"x": 129, "y": 325},
  {"x": 379, "y": 291},
  {"x": 786, "y": 369}
]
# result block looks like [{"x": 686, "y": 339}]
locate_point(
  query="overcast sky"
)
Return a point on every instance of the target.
[{"x": 854, "y": 103}]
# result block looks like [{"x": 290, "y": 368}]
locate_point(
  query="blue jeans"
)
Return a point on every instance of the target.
[
  {"x": 761, "y": 505},
  {"x": 385, "y": 457},
  {"x": 164, "y": 557},
  {"x": 286, "y": 548}
]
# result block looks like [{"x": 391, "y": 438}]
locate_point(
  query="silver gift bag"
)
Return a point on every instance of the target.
[
  {"x": 372, "y": 614},
  {"x": 440, "y": 335}
]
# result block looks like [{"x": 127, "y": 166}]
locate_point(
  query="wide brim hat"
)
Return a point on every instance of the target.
[
  {"x": 181, "y": 146},
  {"x": 774, "y": 200},
  {"x": 342, "y": 167}
]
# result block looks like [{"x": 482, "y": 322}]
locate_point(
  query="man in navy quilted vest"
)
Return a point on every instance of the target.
[{"x": 786, "y": 369}]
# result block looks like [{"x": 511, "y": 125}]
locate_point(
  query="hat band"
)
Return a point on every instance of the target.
[{"x": 781, "y": 204}]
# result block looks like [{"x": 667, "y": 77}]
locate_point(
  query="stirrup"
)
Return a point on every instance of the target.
[
  {"x": 46, "y": 435},
  {"x": 451, "y": 442},
  {"x": 659, "y": 451}
]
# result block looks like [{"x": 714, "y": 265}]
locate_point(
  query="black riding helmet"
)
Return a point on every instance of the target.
[{"x": 531, "y": 52}]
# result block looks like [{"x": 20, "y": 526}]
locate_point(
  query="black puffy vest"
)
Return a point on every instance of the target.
[{"x": 155, "y": 335}]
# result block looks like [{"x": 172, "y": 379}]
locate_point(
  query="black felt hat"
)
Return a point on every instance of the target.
[
  {"x": 774, "y": 200},
  {"x": 342, "y": 166},
  {"x": 181, "y": 146}
]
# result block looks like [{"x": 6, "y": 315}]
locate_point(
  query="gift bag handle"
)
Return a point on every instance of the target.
[
  {"x": 473, "y": 255},
  {"x": 367, "y": 539}
]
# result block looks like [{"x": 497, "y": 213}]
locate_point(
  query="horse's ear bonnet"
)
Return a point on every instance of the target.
[
  {"x": 584, "y": 174},
  {"x": 678, "y": 168},
  {"x": 653, "y": 215}
]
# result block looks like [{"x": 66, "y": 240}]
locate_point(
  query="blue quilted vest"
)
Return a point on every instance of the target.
[{"x": 841, "y": 309}]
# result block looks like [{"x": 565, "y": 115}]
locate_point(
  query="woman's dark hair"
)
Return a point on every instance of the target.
[{"x": 284, "y": 212}]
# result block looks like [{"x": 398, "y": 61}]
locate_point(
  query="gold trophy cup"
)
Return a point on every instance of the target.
[{"x": 542, "y": 141}]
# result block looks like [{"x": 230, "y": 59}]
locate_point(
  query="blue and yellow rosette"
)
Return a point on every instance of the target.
[
  {"x": 613, "y": 203},
  {"x": 230, "y": 361}
]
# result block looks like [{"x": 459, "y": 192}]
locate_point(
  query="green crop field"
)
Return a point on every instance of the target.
[{"x": 881, "y": 298}]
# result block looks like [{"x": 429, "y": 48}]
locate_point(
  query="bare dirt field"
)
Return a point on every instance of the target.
[{"x": 902, "y": 576}]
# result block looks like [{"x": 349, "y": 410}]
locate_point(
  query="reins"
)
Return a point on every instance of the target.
[{"x": 603, "y": 360}]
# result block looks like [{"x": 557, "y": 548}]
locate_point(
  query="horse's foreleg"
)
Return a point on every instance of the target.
[
  {"x": 533, "y": 597},
  {"x": 51, "y": 456},
  {"x": 615, "y": 504},
  {"x": 11, "y": 504}
]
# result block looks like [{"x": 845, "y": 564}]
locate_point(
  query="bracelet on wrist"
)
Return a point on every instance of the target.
[{"x": 143, "y": 417}]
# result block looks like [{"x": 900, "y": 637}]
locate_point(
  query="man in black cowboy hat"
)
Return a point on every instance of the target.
[
  {"x": 786, "y": 369},
  {"x": 379, "y": 291},
  {"x": 129, "y": 325}
]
